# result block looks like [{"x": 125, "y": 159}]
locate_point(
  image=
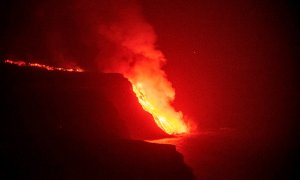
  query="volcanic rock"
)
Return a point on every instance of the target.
[{"x": 62, "y": 125}]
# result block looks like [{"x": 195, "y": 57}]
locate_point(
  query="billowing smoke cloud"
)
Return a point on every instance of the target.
[
  {"x": 137, "y": 58},
  {"x": 135, "y": 55},
  {"x": 134, "y": 40}
]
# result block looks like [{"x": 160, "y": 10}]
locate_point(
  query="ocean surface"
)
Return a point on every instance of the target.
[{"x": 232, "y": 154}]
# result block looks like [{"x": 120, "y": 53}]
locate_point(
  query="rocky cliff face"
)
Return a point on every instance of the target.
[
  {"x": 59, "y": 125},
  {"x": 66, "y": 96}
]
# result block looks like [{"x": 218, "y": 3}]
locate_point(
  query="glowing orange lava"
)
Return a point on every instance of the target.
[
  {"x": 42, "y": 66},
  {"x": 163, "y": 113}
]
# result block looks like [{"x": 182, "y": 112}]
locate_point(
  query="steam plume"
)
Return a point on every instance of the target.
[{"x": 137, "y": 59}]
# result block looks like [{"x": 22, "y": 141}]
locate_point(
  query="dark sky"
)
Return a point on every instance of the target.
[{"x": 233, "y": 64}]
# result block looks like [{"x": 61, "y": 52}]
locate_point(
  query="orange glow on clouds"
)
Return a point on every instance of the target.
[{"x": 136, "y": 57}]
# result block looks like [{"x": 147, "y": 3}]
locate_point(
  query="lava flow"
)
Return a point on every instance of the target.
[
  {"x": 42, "y": 66},
  {"x": 155, "y": 94},
  {"x": 164, "y": 115}
]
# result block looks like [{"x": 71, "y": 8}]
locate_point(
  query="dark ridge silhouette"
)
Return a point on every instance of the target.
[
  {"x": 86, "y": 92},
  {"x": 61, "y": 125}
]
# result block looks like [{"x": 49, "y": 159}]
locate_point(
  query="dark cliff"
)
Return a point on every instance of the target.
[{"x": 60, "y": 125}]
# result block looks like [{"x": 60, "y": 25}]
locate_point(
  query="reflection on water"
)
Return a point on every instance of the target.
[
  {"x": 182, "y": 142},
  {"x": 188, "y": 146},
  {"x": 232, "y": 154}
]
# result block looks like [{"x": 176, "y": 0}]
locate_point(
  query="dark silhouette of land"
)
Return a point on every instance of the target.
[{"x": 61, "y": 125}]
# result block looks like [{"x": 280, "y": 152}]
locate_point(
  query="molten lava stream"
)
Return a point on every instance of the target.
[
  {"x": 163, "y": 113},
  {"x": 42, "y": 66}
]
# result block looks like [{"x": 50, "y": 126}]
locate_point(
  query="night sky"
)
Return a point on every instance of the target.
[{"x": 233, "y": 64}]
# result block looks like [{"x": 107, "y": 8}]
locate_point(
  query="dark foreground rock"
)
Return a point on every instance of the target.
[
  {"x": 113, "y": 159},
  {"x": 57, "y": 96},
  {"x": 57, "y": 125}
]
